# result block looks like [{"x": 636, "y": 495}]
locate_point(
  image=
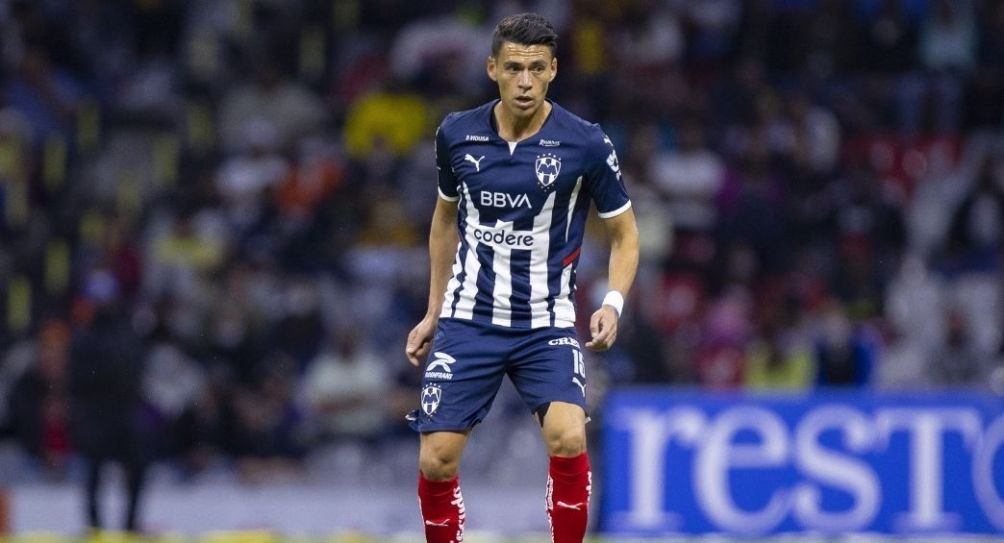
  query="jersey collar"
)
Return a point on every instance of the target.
[{"x": 495, "y": 129}]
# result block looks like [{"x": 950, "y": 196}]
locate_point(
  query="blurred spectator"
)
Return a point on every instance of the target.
[
  {"x": 889, "y": 53},
  {"x": 105, "y": 389},
  {"x": 15, "y": 128},
  {"x": 37, "y": 406},
  {"x": 199, "y": 434},
  {"x": 871, "y": 238},
  {"x": 816, "y": 140},
  {"x": 181, "y": 259},
  {"x": 655, "y": 222},
  {"x": 647, "y": 349},
  {"x": 439, "y": 55},
  {"x": 829, "y": 48},
  {"x": 744, "y": 226},
  {"x": 713, "y": 27},
  {"x": 947, "y": 50},
  {"x": 650, "y": 37},
  {"x": 47, "y": 96},
  {"x": 959, "y": 363},
  {"x": 905, "y": 364},
  {"x": 121, "y": 255},
  {"x": 233, "y": 348},
  {"x": 299, "y": 331},
  {"x": 845, "y": 353},
  {"x": 890, "y": 38},
  {"x": 268, "y": 103},
  {"x": 387, "y": 122},
  {"x": 265, "y": 434},
  {"x": 984, "y": 100},
  {"x": 382, "y": 227},
  {"x": 690, "y": 178},
  {"x": 311, "y": 179},
  {"x": 172, "y": 383},
  {"x": 345, "y": 387},
  {"x": 246, "y": 177},
  {"x": 725, "y": 336},
  {"x": 778, "y": 363},
  {"x": 915, "y": 303},
  {"x": 948, "y": 37},
  {"x": 976, "y": 231}
]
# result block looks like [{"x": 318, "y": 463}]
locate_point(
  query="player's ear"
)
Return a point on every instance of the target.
[
  {"x": 490, "y": 68},
  {"x": 554, "y": 68}
]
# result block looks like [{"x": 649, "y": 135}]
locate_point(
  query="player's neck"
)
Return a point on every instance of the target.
[{"x": 514, "y": 129}]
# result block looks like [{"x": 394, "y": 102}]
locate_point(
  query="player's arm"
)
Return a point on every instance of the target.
[
  {"x": 622, "y": 231},
  {"x": 443, "y": 239}
]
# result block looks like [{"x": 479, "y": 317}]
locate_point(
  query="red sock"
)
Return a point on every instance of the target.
[
  {"x": 442, "y": 509},
  {"x": 569, "y": 483}
]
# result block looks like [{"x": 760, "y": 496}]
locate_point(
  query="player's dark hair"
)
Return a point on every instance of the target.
[{"x": 525, "y": 29}]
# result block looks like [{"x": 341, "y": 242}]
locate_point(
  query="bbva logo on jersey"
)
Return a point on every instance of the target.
[
  {"x": 547, "y": 166},
  {"x": 502, "y": 199}
]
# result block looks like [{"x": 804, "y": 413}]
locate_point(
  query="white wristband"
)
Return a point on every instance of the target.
[{"x": 615, "y": 300}]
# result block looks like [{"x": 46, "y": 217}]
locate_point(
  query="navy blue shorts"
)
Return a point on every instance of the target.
[{"x": 468, "y": 361}]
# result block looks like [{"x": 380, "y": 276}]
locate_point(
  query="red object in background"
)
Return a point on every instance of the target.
[
  {"x": 55, "y": 434},
  {"x": 4, "y": 512},
  {"x": 128, "y": 269},
  {"x": 900, "y": 161},
  {"x": 682, "y": 291},
  {"x": 307, "y": 185},
  {"x": 720, "y": 366},
  {"x": 679, "y": 301}
]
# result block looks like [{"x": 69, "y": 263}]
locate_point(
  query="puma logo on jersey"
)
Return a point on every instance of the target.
[
  {"x": 575, "y": 506},
  {"x": 476, "y": 162}
]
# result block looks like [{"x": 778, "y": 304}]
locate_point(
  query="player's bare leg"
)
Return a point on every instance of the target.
[
  {"x": 569, "y": 479},
  {"x": 564, "y": 429},
  {"x": 439, "y": 454},
  {"x": 439, "y": 494}
]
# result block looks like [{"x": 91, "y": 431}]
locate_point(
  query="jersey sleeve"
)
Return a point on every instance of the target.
[
  {"x": 605, "y": 179},
  {"x": 447, "y": 179}
]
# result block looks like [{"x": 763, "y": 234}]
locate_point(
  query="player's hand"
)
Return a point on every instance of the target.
[
  {"x": 603, "y": 329},
  {"x": 420, "y": 341}
]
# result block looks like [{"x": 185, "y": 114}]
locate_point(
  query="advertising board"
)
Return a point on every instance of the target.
[{"x": 689, "y": 462}]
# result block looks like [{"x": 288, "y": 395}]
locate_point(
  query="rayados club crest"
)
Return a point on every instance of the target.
[
  {"x": 430, "y": 398},
  {"x": 547, "y": 166}
]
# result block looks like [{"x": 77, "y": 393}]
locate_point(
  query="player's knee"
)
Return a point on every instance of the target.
[
  {"x": 438, "y": 464},
  {"x": 567, "y": 442}
]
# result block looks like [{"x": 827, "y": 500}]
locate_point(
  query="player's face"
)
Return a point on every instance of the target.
[{"x": 523, "y": 73}]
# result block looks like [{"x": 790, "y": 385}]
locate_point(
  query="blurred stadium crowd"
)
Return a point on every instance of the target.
[{"x": 238, "y": 193}]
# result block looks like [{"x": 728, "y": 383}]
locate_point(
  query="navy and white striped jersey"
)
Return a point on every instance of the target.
[{"x": 522, "y": 213}]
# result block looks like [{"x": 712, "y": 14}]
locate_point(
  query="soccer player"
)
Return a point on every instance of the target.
[{"x": 516, "y": 177}]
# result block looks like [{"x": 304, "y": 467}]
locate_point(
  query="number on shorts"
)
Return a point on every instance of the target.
[{"x": 578, "y": 363}]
